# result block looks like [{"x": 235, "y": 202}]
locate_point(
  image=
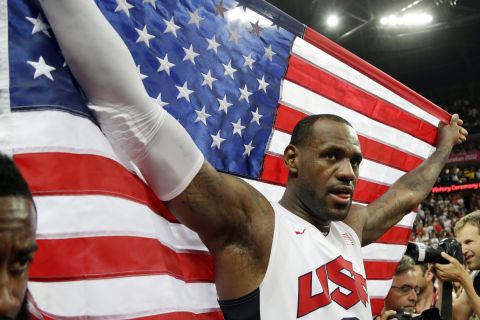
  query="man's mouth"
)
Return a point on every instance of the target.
[{"x": 342, "y": 195}]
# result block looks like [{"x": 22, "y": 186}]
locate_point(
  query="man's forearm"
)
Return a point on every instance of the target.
[
  {"x": 418, "y": 183},
  {"x": 473, "y": 298}
]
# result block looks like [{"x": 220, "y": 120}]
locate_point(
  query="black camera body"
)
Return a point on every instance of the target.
[
  {"x": 429, "y": 314},
  {"x": 404, "y": 315},
  {"x": 422, "y": 253}
]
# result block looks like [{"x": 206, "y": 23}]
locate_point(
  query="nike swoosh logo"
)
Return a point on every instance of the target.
[{"x": 300, "y": 232}]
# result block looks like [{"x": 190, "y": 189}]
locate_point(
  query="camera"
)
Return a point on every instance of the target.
[
  {"x": 429, "y": 314},
  {"x": 424, "y": 254}
]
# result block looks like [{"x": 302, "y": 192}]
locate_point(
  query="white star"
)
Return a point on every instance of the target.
[
  {"x": 244, "y": 94},
  {"x": 195, "y": 18},
  {"x": 144, "y": 36},
  {"x": 165, "y": 65},
  {"x": 233, "y": 36},
  {"x": 184, "y": 92},
  {"x": 217, "y": 140},
  {"x": 208, "y": 79},
  {"x": 41, "y": 68},
  {"x": 237, "y": 127},
  {"x": 256, "y": 117},
  {"x": 123, "y": 5},
  {"x": 202, "y": 116},
  {"x": 248, "y": 61},
  {"x": 269, "y": 52},
  {"x": 248, "y": 149},
  {"x": 190, "y": 55},
  {"x": 142, "y": 76},
  {"x": 229, "y": 70},
  {"x": 213, "y": 44},
  {"x": 160, "y": 102},
  {"x": 152, "y": 2},
  {"x": 224, "y": 104},
  {"x": 171, "y": 27},
  {"x": 262, "y": 84},
  {"x": 39, "y": 25}
]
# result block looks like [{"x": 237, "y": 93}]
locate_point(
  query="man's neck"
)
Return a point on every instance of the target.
[{"x": 292, "y": 204}]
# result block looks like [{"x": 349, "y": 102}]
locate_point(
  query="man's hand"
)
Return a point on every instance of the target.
[
  {"x": 386, "y": 315},
  {"x": 452, "y": 133},
  {"x": 453, "y": 271}
]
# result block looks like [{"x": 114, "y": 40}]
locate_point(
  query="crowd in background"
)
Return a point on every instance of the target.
[
  {"x": 459, "y": 175},
  {"x": 437, "y": 215}
]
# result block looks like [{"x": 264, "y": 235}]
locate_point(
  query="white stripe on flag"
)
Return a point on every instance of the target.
[
  {"x": 58, "y": 131},
  {"x": 123, "y": 297},
  {"x": 90, "y": 216},
  {"x": 378, "y": 288},
  {"x": 323, "y": 60},
  {"x": 383, "y": 252}
]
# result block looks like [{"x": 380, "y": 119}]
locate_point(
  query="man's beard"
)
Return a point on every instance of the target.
[{"x": 23, "y": 313}]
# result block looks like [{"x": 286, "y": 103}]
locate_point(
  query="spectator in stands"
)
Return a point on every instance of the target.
[
  {"x": 17, "y": 240},
  {"x": 403, "y": 293}
]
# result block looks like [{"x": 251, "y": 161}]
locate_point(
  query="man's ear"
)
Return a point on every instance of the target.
[{"x": 290, "y": 158}]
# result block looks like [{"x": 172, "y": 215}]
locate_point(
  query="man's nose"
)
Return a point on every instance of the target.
[
  {"x": 413, "y": 296},
  {"x": 345, "y": 172},
  {"x": 9, "y": 303}
]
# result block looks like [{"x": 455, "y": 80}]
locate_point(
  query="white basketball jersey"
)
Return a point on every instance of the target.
[{"x": 312, "y": 276}]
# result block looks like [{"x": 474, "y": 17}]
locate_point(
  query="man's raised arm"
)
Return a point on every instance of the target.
[
  {"x": 203, "y": 199},
  {"x": 408, "y": 191}
]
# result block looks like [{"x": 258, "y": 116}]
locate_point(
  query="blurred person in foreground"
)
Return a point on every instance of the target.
[
  {"x": 17, "y": 240},
  {"x": 467, "y": 232}
]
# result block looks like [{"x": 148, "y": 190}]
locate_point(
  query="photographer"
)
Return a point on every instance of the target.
[
  {"x": 467, "y": 232},
  {"x": 403, "y": 292}
]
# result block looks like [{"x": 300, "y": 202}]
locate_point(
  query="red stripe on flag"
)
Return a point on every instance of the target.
[
  {"x": 372, "y": 72},
  {"x": 380, "y": 270},
  {"x": 377, "y": 305},
  {"x": 57, "y": 173},
  {"x": 317, "y": 80},
  {"x": 275, "y": 172},
  {"x": 116, "y": 256},
  {"x": 213, "y": 315},
  {"x": 373, "y": 150},
  {"x": 395, "y": 235}
]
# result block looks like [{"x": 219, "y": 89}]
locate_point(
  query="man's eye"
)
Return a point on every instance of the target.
[
  {"x": 331, "y": 156},
  {"x": 20, "y": 265}
]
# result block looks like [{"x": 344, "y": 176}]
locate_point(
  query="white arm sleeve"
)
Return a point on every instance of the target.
[{"x": 136, "y": 126}]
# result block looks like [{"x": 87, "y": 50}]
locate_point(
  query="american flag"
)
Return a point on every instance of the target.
[{"x": 238, "y": 76}]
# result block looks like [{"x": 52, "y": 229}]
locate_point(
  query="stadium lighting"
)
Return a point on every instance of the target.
[
  {"x": 407, "y": 19},
  {"x": 332, "y": 21}
]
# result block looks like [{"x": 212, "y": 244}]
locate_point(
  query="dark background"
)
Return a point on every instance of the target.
[{"x": 440, "y": 60}]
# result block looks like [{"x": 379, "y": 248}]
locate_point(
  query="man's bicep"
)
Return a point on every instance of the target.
[{"x": 216, "y": 204}]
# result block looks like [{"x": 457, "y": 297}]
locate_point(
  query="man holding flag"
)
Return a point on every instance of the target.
[
  {"x": 243, "y": 231},
  {"x": 297, "y": 258}
]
